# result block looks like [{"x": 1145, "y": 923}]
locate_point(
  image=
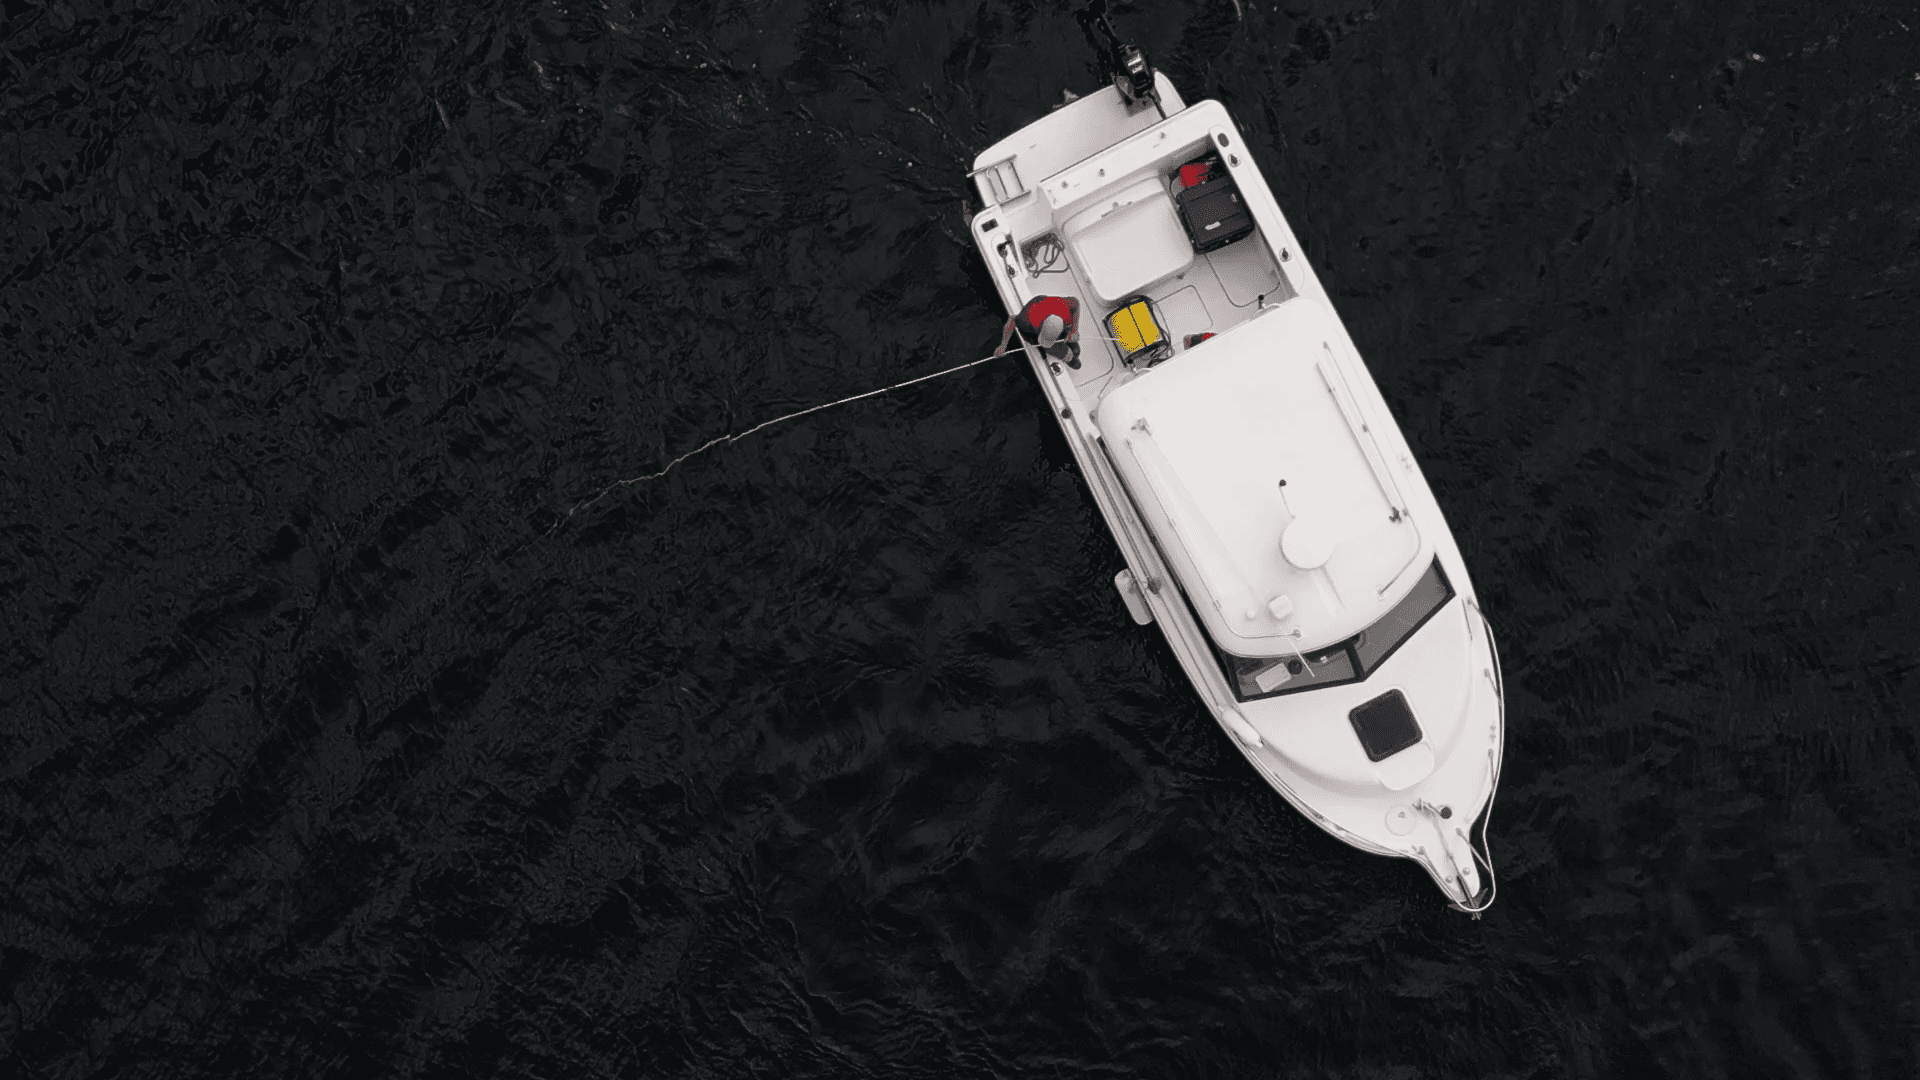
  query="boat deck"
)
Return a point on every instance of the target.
[{"x": 1215, "y": 292}]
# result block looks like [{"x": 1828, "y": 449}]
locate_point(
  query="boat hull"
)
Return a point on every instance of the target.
[{"x": 1302, "y": 743}]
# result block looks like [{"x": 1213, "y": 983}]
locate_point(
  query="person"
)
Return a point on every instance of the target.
[{"x": 1050, "y": 322}]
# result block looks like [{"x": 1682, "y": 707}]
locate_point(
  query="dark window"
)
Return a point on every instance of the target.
[
  {"x": 1349, "y": 661},
  {"x": 1263, "y": 675},
  {"x": 1385, "y": 725},
  {"x": 1377, "y": 642}
]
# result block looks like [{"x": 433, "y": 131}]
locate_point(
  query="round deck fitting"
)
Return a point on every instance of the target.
[
  {"x": 1400, "y": 820},
  {"x": 1306, "y": 543}
]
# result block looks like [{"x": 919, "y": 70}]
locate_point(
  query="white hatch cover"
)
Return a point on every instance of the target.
[{"x": 1128, "y": 240}]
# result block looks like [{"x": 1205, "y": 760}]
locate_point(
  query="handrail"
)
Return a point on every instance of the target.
[
  {"x": 1006, "y": 185},
  {"x": 1330, "y": 375}
]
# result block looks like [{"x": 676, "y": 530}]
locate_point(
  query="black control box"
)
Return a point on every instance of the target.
[{"x": 1214, "y": 214}]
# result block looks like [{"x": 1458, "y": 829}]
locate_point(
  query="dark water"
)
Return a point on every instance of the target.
[{"x": 834, "y": 753}]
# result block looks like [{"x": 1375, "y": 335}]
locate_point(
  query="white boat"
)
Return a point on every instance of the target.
[{"x": 1273, "y": 521}]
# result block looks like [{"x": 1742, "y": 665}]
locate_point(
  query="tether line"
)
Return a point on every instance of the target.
[{"x": 726, "y": 439}]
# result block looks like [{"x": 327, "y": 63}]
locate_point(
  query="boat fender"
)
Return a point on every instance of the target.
[
  {"x": 1131, "y": 596},
  {"x": 1240, "y": 728}
]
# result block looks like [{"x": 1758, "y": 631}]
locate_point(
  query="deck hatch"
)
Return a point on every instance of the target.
[{"x": 1385, "y": 725}]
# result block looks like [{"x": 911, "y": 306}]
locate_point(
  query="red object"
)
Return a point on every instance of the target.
[
  {"x": 1195, "y": 174},
  {"x": 1040, "y": 307},
  {"x": 1195, "y": 339},
  {"x": 1036, "y": 312}
]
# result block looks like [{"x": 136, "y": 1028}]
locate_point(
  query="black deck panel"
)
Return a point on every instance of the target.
[{"x": 1385, "y": 725}]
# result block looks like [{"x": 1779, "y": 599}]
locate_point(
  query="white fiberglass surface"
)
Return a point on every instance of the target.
[
  {"x": 1433, "y": 669},
  {"x": 1247, "y": 272},
  {"x": 1185, "y": 312},
  {"x": 1129, "y": 241},
  {"x": 1075, "y": 131},
  {"x": 1231, "y": 422},
  {"x": 1225, "y": 582}
]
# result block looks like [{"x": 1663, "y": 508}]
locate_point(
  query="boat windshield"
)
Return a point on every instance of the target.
[{"x": 1350, "y": 660}]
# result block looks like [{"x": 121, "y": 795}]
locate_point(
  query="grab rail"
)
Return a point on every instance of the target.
[
  {"x": 1003, "y": 180},
  {"x": 1336, "y": 382}
]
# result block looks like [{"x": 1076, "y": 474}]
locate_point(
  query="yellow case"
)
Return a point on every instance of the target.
[{"x": 1135, "y": 328}]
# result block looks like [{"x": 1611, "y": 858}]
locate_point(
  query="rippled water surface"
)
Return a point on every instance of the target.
[{"x": 834, "y": 754}]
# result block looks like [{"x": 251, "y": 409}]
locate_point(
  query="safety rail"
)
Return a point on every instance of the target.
[{"x": 1000, "y": 182}]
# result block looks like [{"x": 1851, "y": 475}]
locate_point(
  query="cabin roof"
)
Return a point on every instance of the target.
[{"x": 1204, "y": 442}]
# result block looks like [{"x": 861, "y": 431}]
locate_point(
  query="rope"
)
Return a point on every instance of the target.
[
  {"x": 1493, "y": 881},
  {"x": 1010, "y": 335},
  {"x": 1493, "y": 765},
  {"x": 1486, "y": 820},
  {"x": 728, "y": 439},
  {"x": 1486, "y": 817}
]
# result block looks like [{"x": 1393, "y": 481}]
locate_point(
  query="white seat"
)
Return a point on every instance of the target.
[{"x": 1128, "y": 240}]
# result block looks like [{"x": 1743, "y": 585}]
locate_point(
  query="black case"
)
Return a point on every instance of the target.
[{"x": 1214, "y": 214}]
